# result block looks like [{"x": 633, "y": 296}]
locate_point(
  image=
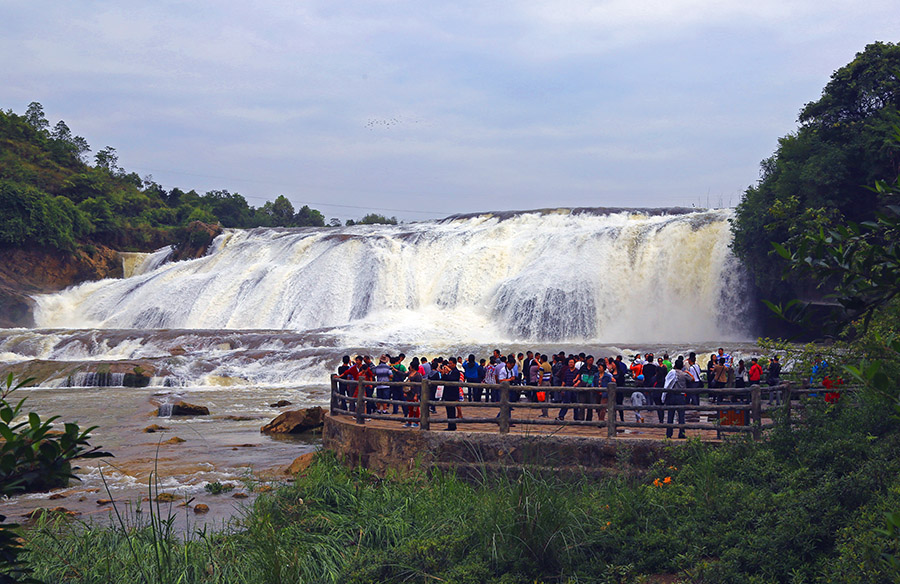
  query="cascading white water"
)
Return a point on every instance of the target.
[{"x": 543, "y": 276}]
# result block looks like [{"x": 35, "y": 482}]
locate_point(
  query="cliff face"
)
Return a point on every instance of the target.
[{"x": 24, "y": 272}]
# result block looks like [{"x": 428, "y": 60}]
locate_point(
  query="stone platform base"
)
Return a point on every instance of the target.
[{"x": 382, "y": 447}]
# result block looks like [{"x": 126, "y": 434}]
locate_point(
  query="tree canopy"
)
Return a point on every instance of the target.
[
  {"x": 819, "y": 176},
  {"x": 51, "y": 195}
]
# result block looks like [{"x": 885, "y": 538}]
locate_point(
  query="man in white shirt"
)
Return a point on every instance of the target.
[{"x": 676, "y": 380}]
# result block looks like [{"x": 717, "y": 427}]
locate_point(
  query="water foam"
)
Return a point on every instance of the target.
[{"x": 623, "y": 277}]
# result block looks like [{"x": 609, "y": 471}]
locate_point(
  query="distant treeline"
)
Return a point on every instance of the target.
[{"x": 52, "y": 196}]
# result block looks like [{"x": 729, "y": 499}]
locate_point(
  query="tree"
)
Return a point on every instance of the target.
[
  {"x": 307, "y": 217},
  {"x": 65, "y": 146},
  {"x": 108, "y": 160},
  {"x": 231, "y": 208},
  {"x": 34, "y": 117},
  {"x": 818, "y": 176},
  {"x": 376, "y": 219},
  {"x": 281, "y": 212},
  {"x": 860, "y": 261}
]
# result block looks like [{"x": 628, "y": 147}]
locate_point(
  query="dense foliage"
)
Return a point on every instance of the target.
[
  {"x": 820, "y": 174},
  {"x": 34, "y": 456},
  {"x": 50, "y": 195}
]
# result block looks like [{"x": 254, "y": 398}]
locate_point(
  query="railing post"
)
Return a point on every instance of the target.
[
  {"x": 425, "y": 406},
  {"x": 611, "y": 410},
  {"x": 756, "y": 409},
  {"x": 334, "y": 388},
  {"x": 504, "y": 408},
  {"x": 360, "y": 402}
]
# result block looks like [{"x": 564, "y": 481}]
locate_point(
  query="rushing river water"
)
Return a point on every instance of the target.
[{"x": 267, "y": 314}]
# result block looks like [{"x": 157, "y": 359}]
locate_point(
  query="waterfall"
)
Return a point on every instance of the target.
[{"x": 543, "y": 276}]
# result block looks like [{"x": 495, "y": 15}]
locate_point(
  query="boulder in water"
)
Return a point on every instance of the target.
[
  {"x": 201, "y": 508},
  {"x": 295, "y": 421},
  {"x": 182, "y": 408},
  {"x": 174, "y": 440},
  {"x": 280, "y": 403},
  {"x": 154, "y": 428}
]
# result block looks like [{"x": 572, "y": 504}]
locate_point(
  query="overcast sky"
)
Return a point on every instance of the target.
[{"x": 423, "y": 109}]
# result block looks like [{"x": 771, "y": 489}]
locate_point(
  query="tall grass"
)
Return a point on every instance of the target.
[{"x": 803, "y": 507}]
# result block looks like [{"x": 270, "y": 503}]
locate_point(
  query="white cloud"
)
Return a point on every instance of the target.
[{"x": 580, "y": 102}]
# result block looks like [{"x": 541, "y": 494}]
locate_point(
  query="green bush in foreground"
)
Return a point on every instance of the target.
[{"x": 807, "y": 505}]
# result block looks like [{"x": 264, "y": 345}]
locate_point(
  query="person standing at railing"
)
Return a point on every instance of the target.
[
  {"x": 773, "y": 378},
  {"x": 588, "y": 376},
  {"x": 619, "y": 373},
  {"x": 556, "y": 372},
  {"x": 353, "y": 374},
  {"x": 398, "y": 373},
  {"x": 513, "y": 365},
  {"x": 567, "y": 379},
  {"x": 343, "y": 387},
  {"x": 741, "y": 377},
  {"x": 676, "y": 381},
  {"x": 546, "y": 373},
  {"x": 411, "y": 393},
  {"x": 720, "y": 377},
  {"x": 605, "y": 379},
  {"x": 382, "y": 373},
  {"x": 471, "y": 370},
  {"x": 649, "y": 372},
  {"x": 534, "y": 377},
  {"x": 490, "y": 378},
  {"x": 696, "y": 379},
  {"x": 754, "y": 374},
  {"x": 450, "y": 394}
]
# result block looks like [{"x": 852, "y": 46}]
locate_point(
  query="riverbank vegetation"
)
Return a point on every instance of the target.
[
  {"x": 808, "y": 504},
  {"x": 52, "y": 195}
]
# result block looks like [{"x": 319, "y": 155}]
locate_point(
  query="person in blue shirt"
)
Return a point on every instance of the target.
[{"x": 471, "y": 370}]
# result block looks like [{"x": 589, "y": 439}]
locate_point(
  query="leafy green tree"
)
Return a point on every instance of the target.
[
  {"x": 108, "y": 160},
  {"x": 231, "y": 208},
  {"x": 34, "y": 117},
  {"x": 66, "y": 147},
  {"x": 280, "y": 212},
  {"x": 376, "y": 219},
  {"x": 307, "y": 217},
  {"x": 818, "y": 177}
]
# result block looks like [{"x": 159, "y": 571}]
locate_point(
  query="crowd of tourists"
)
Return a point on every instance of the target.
[{"x": 649, "y": 379}]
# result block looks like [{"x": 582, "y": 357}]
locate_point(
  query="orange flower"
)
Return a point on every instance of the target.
[
  {"x": 667, "y": 480},
  {"x": 657, "y": 483}
]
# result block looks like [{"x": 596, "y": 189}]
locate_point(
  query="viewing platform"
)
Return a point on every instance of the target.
[{"x": 504, "y": 434}]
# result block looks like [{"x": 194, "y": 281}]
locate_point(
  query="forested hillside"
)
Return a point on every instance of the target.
[{"x": 52, "y": 195}]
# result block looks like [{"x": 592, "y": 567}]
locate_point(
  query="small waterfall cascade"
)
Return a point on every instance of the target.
[{"x": 542, "y": 276}]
